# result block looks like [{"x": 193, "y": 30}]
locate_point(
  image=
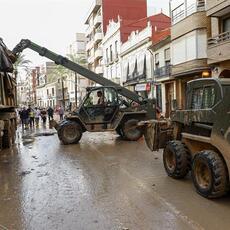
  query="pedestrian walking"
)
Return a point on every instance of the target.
[
  {"x": 61, "y": 113},
  {"x": 24, "y": 118},
  {"x": 31, "y": 116},
  {"x": 43, "y": 116},
  {"x": 50, "y": 113},
  {"x": 37, "y": 116}
]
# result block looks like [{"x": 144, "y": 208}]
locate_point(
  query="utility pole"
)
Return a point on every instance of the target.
[
  {"x": 75, "y": 89},
  {"x": 63, "y": 92}
]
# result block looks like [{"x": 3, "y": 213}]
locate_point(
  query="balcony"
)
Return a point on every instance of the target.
[
  {"x": 193, "y": 22},
  {"x": 97, "y": 20},
  {"x": 192, "y": 67},
  {"x": 218, "y": 48},
  {"x": 98, "y": 37},
  {"x": 89, "y": 30},
  {"x": 217, "y": 8},
  {"x": 90, "y": 59},
  {"x": 99, "y": 70},
  {"x": 136, "y": 77},
  {"x": 183, "y": 11},
  {"x": 89, "y": 45},
  {"x": 93, "y": 9},
  {"x": 162, "y": 72},
  {"x": 98, "y": 53}
]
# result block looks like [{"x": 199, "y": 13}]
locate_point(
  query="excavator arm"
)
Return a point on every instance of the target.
[{"x": 60, "y": 60}]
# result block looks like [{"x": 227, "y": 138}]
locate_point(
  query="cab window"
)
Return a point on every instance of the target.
[
  {"x": 110, "y": 96},
  {"x": 203, "y": 98}
]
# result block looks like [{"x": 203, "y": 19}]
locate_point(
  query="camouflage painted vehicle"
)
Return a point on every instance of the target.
[
  {"x": 197, "y": 138},
  {"x": 8, "y": 97},
  {"x": 109, "y": 107}
]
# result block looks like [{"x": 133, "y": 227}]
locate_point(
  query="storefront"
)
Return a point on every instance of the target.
[{"x": 143, "y": 89}]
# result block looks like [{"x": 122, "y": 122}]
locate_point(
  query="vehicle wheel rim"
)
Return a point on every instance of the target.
[
  {"x": 202, "y": 174},
  {"x": 70, "y": 133},
  {"x": 170, "y": 160}
]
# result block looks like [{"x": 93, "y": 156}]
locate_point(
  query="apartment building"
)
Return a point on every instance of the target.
[
  {"x": 22, "y": 93},
  {"x": 77, "y": 84},
  {"x": 164, "y": 83},
  {"x": 219, "y": 42},
  {"x": 116, "y": 34},
  {"x": 47, "y": 95},
  {"x": 46, "y": 87},
  {"x": 137, "y": 57},
  {"x": 101, "y": 12},
  {"x": 189, "y": 32}
]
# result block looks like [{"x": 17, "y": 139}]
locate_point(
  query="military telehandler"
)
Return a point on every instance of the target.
[
  {"x": 121, "y": 109},
  {"x": 197, "y": 139}
]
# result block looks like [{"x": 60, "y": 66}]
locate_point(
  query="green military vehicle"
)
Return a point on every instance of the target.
[
  {"x": 197, "y": 138},
  {"x": 8, "y": 97},
  {"x": 109, "y": 107}
]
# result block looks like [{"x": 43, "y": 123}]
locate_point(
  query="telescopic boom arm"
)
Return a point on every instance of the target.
[{"x": 60, "y": 60}]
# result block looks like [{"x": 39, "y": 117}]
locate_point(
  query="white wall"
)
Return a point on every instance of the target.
[
  {"x": 189, "y": 47},
  {"x": 112, "y": 70}
]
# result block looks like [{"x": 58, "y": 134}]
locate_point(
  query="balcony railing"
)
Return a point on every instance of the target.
[
  {"x": 181, "y": 12},
  {"x": 164, "y": 71},
  {"x": 219, "y": 39},
  {"x": 135, "y": 77}
]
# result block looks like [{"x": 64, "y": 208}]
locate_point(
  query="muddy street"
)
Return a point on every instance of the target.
[{"x": 102, "y": 183}]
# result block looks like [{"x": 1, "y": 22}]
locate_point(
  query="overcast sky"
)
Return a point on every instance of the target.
[{"x": 49, "y": 23}]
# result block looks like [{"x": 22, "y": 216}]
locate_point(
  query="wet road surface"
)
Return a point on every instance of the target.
[{"x": 102, "y": 183}]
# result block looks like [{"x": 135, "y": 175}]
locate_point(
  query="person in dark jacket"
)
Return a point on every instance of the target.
[
  {"x": 24, "y": 117},
  {"x": 50, "y": 113},
  {"x": 43, "y": 116}
]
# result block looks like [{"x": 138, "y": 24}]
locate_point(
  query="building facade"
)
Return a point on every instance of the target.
[
  {"x": 164, "y": 83},
  {"x": 189, "y": 32},
  {"x": 219, "y": 42},
  {"x": 22, "y": 93},
  {"x": 77, "y": 84},
  {"x": 47, "y": 95},
  {"x": 137, "y": 56},
  {"x": 101, "y": 12},
  {"x": 112, "y": 50}
]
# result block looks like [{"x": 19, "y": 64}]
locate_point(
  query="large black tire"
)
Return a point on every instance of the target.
[
  {"x": 7, "y": 135},
  {"x": 70, "y": 132},
  {"x": 177, "y": 159},
  {"x": 130, "y": 130},
  {"x": 209, "y": 174}
]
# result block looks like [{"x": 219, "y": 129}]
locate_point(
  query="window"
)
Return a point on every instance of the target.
[
  {"x": 47, "y": 92},
  {"x": 159, "y": 96},
  {"x": 226, "y": 25},
  {"x": 178, "y": 13},
  {"x": 197, "y": 95},
  {"x": 203, "y": 98},
  {"x": 167, "y": 54},
  {"x": 157, "y": 61},
  {"x": 111, "y": 53},
  {"x": 208, "y": 97},
  {"x": 110, "y": 96},
  {"x": 52, "y": 91},
  {"x": 107, "y": 55},
  {"x": 116, "y": 49}
]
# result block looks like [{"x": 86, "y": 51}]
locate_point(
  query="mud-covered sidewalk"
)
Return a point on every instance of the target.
[{"x": 102, "y": 183}]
